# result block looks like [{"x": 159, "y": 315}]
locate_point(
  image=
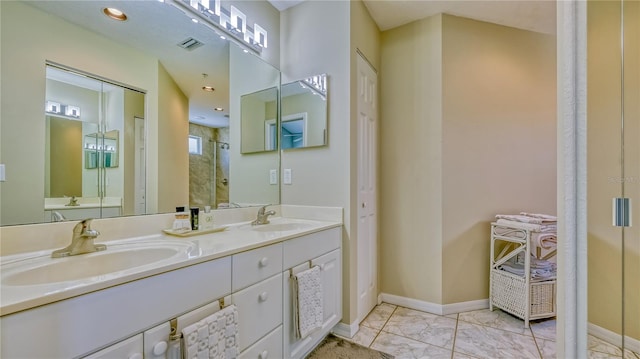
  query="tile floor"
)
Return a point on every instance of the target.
[{"x": 407, "y": 333}]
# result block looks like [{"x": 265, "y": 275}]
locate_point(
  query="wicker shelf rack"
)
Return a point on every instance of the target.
[{"x": 519, "y": 295}]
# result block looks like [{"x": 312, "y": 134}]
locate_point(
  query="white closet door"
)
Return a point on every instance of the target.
[{"x": 367, "y": 188}]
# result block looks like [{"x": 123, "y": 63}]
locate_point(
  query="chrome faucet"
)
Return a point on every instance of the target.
[
  {"x": 73, "y": 201},
  {"x": 57, "y": 216},
  {"x": 263, "y": 217},
  {"x": 81, "y": 242}
]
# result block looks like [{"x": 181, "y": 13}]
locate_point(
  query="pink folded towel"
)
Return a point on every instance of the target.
[{"x": 544, "y": 240}]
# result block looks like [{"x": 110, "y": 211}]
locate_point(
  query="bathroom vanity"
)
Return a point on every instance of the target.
[{"x": 127, "y": 313}]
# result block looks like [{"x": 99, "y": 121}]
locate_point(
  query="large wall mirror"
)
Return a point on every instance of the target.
[
  {"x": 304, "y": 113},
  {"x": 179, "y": 83}
]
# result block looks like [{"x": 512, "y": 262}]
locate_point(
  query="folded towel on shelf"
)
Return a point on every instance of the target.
[
  {"x": 546, "y": 240},
  {"x": 540, "y": 269},
  {"x": 543, "y": 217},
  {"x": 530, "y": 226},
  {"x": 520, "y": 218},
  {"x": 307, "y": 301},
  {"x": 214, "y": 337}
]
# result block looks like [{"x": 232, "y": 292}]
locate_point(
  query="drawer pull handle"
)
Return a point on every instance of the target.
[
  {"x": 264, "y": 262},
  {"x": 263, "y": 355},
  {"x": 160, "y": 348},
  {"x": 263, "y": 296},
  {"x": 136, "y": 356}
]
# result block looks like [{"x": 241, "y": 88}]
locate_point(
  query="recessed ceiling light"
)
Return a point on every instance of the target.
[
  {"x": 208, "y": 88},
  {"x": 115, "y": 13},
  {"x": 219, "y": 109},
  {"x": 195, "y": 21}
]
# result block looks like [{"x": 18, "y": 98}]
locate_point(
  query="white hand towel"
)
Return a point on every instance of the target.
[
  {"x": 214, "y": 337},
  {"x": 307, "y": 301}
]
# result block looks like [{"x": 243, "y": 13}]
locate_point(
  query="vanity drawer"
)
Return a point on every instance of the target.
[
  {"x": 300, "y": 250},
  {"x": 269, "y": 347},
  {"x": 259, "y": 309},
  {"x": 253, "y": 266}
]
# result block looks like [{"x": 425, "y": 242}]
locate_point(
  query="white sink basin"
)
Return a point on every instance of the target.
[
  {"x": 280, "y": 227},
  {"x": 116, "y": 258}
]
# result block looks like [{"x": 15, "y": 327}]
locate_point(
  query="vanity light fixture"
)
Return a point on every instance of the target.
[
  {"x": 114, "y": 13},
  {"x": 208, "y": 88},
  {"x": 231, "y": 22}
]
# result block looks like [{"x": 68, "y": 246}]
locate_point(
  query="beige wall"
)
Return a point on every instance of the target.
[
  {"x": 604, "y": 177},
  {"x": 411, "y": 161},
  {"x": 65, "y": 157},
  {"x": 249, "y": 173},
  {"x": 23, "y": 96},
  {"x": 468, "y": 121},
  {"x": 498, "y": 141},
  {"x": 173, "y": 149}
]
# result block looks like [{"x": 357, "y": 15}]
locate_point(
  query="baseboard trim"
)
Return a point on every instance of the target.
[
  {"x": 613, "y": 337},
  {"x": 346, "y": 330},
  {"x": 460, "y": 307},
  {"x": 434, "y": 308}
]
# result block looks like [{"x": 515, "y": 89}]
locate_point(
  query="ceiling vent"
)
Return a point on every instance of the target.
[{"x": 190, "y": 44}]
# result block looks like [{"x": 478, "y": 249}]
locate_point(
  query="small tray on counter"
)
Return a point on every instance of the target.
[{"x": 189, "y": 233}]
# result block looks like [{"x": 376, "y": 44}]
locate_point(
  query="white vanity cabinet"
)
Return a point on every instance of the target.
[
  {"x": 131, "y": 348},
  {"x": 318, "y": 249},
  {"x": 132, "y": 320},
  {"x": 80, "y": 325}
]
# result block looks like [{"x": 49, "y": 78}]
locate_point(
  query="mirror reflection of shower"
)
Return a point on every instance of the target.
[{"x": 209, "y": 169}]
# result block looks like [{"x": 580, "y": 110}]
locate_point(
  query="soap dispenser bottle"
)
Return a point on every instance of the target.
[{"x": 206, "y": 219}]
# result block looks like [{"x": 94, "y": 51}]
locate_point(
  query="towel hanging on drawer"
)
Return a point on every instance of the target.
[
  {"x": 214, "y": 337},
  {"x": 307, "y": 301}
]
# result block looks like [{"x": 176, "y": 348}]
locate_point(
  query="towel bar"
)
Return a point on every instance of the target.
[
  {"x": 173, "y": 323},
  {"x": 291, "y": 269}
]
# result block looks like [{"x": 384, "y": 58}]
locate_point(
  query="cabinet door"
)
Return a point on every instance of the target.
[
  {"x": 156, "y": 341},
  {"x": 331, "y": 266},
  {"x": 130, "y": 349}
]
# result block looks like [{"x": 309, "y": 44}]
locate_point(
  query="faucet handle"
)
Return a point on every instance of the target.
[{"x": 83, "y": 228}]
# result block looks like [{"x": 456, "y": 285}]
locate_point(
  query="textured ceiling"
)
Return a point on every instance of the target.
[{"x": 535, "y": 15}]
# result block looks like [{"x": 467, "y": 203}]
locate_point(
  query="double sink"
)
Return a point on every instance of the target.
[{"x": 120, "y": 257}]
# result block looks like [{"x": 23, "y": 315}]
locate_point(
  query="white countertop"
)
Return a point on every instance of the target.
[{"x": 236, "y": 238}]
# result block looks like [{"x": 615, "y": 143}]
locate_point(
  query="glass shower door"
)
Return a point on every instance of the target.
[{"x": 613, "y": 177}]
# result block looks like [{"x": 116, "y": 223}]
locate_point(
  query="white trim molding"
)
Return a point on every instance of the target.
[
  {"x": 346, "y": 330},
  {"x": 614, "y": 338},
  {"x": 571, "y": 179},
  {"x": 434, "y": 308}
]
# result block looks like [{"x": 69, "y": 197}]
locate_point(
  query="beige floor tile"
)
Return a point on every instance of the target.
[
  {"x": 598, "y": 347},
  {"x": 487, "y": 342},
  {"x": 545, "y": 329},
  {"x": 424, "y": 327},
  {"x": 496, "y": 319},
  {"x": 405, "y": 348},
  {"x": 378, "y": 316},
  {"x": 547, "y": 348},
  {"x": 457, "y": 355},
  {"x": 365, "y": 336}
]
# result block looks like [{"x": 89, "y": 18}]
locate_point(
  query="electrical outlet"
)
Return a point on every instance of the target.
[
  {"x": 287, "y": 176},
  {"x": 273, "y": 176}
]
